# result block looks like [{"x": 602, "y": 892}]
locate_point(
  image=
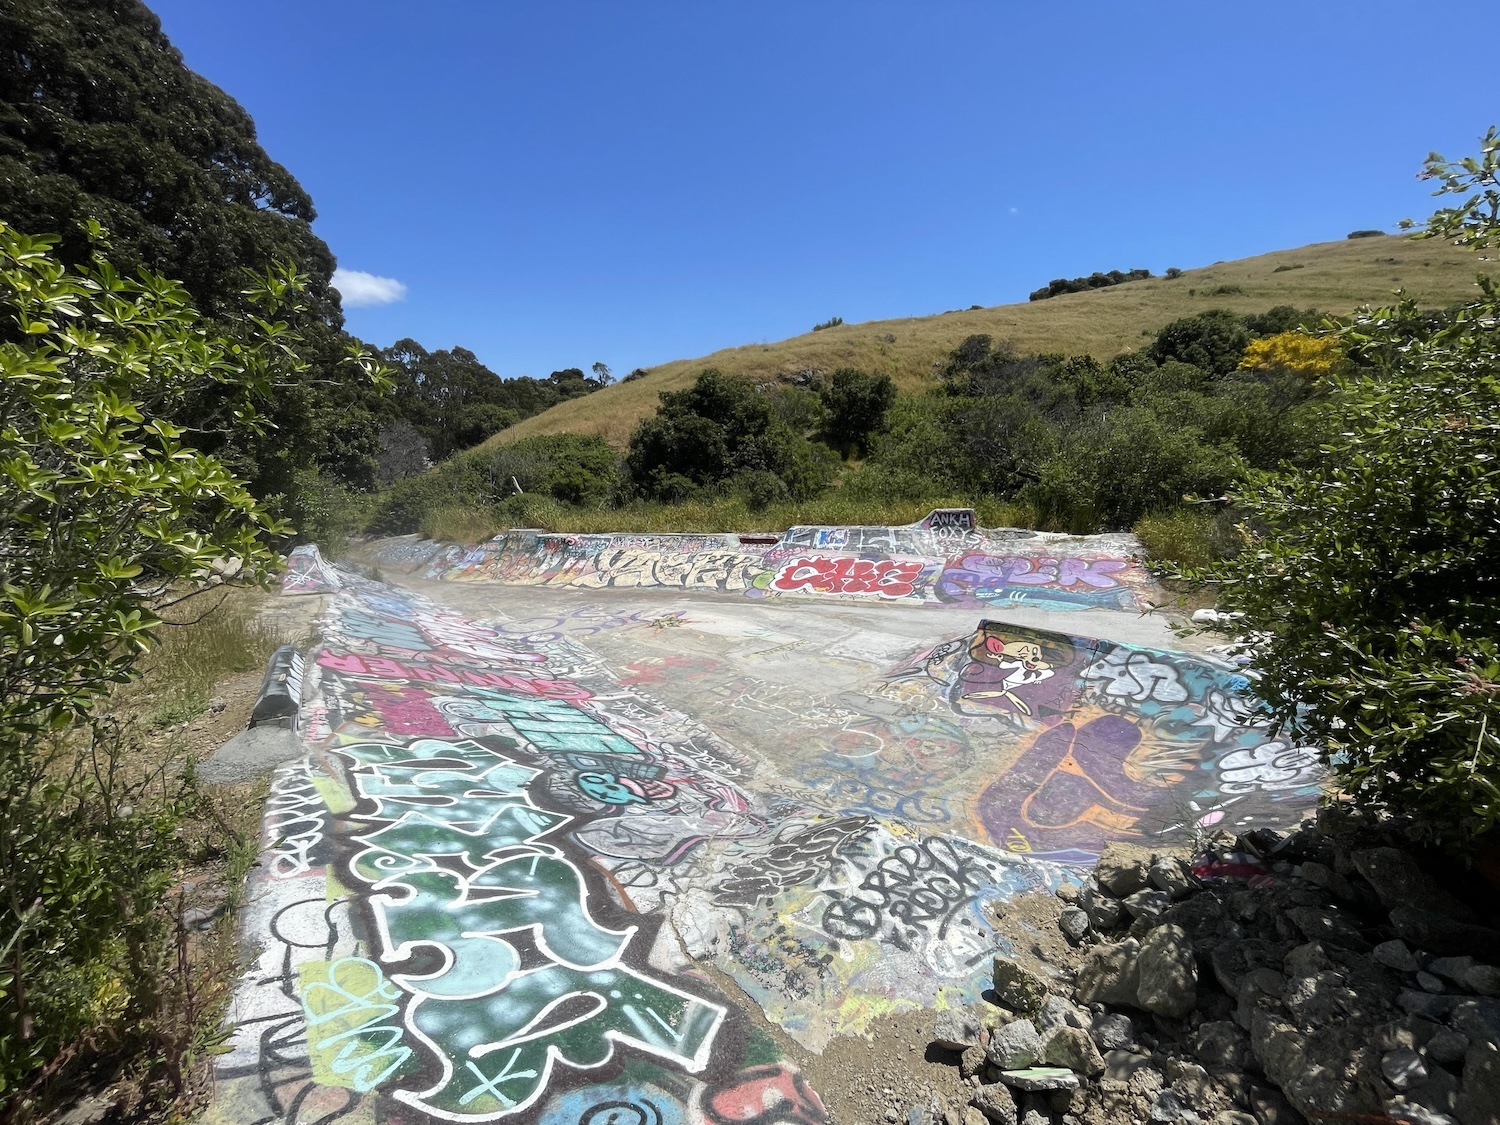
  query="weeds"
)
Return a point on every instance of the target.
[
  {"x": 1187, "y": 537},
  {"x": 124, "y": 874},
  {"x": 199, "y": 645}
]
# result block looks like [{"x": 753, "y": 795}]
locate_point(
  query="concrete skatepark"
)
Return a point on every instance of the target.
[{"x": 607, "y": 829}]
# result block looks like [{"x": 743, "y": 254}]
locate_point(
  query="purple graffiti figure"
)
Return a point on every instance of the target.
[
  {"x": 998, "y": 666},
  {"x": 1069, "y": 794}
]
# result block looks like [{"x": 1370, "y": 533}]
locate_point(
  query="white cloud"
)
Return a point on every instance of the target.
[
  {"x": 358, "y": 288},
  {"x": 1015, "y": 210}
]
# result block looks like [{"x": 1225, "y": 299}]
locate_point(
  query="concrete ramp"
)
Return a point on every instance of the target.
[
  {"x": 568, "y": 851},
  {"x": 945, "y": 558}
]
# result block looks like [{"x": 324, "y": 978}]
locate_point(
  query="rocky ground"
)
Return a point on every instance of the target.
[{"x": 1326, "y": 976}]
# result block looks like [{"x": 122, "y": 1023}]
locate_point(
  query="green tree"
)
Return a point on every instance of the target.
[
  {"x": 101, "y": 120},
  {"x": 714, "y": 430},
  {"x": 1376, "y": 584},
  {"x": 1213, "y": 340},
  {"x": 103, "y": 510},
  {"x": 856, "y": 403}
]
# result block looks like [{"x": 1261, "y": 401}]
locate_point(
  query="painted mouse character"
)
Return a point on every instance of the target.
[{"x": 997, "y": 667}]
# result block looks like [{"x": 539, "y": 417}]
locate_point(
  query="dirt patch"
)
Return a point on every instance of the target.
[
  {"x": 1029, "y": 923},
  {"x": 876, "y": 1079}
]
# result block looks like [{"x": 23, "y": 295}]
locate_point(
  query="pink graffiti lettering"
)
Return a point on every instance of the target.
[
  {"x": 377, "y": 667},
  {"x": 887, "y": 578}
]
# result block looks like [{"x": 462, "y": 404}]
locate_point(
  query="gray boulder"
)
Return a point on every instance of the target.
[
  {"x": 1071, "y": 1047},
  {"x": 955, "y": 1030},
  {"x": 994, "y": 1100},
  {"x": 971, "y": 1063},
  {"x": 1483, "y": 979},
  {"x": 1014, "y": 1046},
  {"x": 1439, "y": 934},
  {"x": 1103, "y": 911},
  {"x": 1393, "y": 954},
  {"x": 1040, "y": 1078},
  {"x": 1399, "y": 881},
  {"x": 1168, "y": 973},
  {"x": 1455, "y": 969},
  {"x": 1123, "y": 868},
  {"x": 1447, "y": 1047},
  {"x": 1478, "y": 1100},
  {"x": 1332, "y": 1072},
  {"x": 1170, "y": 1106},
  {"x": 1171, "y": 875},
  {"x": 1073, "y": 921},
  {"x": 1016, "y": 988},
  {"x": 1403, "y": 1068},
  {"x": 1148, "y": 904},
  {"x": 1110, "y": 975},
  {"x": 1058, "y": 1012},
  {"x": 1327, "y": 927},
  {"x": 1222, "y": 1045},
  {"x": 1113, "y": 1031},
  {"x": 1318, "y": 998},
  {"x": 1034, "y": 1110}
]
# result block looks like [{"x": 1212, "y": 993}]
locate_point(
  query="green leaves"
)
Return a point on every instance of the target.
[
  {"x": 101, "y": 502},
  {"x": 1375, "y": 577},
  {"x": 1475, "y": 222}
]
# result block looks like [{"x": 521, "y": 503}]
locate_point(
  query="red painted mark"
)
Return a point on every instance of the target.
[{"x": 843, "y": 575}]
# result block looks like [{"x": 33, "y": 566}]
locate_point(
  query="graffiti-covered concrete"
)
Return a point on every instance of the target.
[
  {"x": 946, "y": 558},
  {"x": 629, "y": 853}
]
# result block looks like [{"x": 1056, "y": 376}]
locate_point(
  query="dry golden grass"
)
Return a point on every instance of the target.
[{"x": 1334, "y": 277}]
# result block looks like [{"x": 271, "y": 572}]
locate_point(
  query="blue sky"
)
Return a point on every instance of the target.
[{"x": 559, "y": 183}]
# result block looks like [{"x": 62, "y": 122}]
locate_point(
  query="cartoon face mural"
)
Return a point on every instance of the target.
[
  {"x": 614, "y": 790},
  {"x": 1109, "y": 741},
  {"x": 998, "y": 667}
]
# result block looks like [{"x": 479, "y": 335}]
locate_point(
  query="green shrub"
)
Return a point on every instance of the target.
[
  {"x": 1213, "y": 340},
  {"x": 856, "y": 404},
  {"x": 572, "y": 468},
  {"x": 323, "y": 511},
  {"x": 105, "y": 512},
  {"x": 761, "y": 489},
  {"x": 1187, "y": 536},
  {"x": 401, "y": 509},
  {"x": 1376, "y": 584}
]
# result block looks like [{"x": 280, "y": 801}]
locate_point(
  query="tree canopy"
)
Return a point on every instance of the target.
[{"x": 100, "y": 118}]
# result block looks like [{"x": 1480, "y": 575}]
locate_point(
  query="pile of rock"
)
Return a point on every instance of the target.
[{"x": 1344, "y": 985}]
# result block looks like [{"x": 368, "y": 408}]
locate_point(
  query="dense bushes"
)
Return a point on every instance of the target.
[
  {"x": 572, "y": 469},
  {"x": 1089, "y": 446},
  {"x": 105, "y": 510},
  {"x": 721, "y": 430},
  {"x": 1372, "y": 586},
  {"x": 1060, "y": 285},
  {"x": 1082, "y": 445}
]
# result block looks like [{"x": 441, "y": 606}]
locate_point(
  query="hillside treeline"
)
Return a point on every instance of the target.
[
  {"x": 1096, "y": 280},
  {"x": 1071, "y": 443}
]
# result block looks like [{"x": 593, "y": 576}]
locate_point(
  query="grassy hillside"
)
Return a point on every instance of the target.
[{"x": 1330, "y": 276}]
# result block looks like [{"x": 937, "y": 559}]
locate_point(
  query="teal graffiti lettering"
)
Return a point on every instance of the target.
[{"x": 455, "y": 866}]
